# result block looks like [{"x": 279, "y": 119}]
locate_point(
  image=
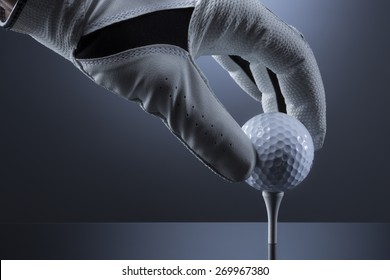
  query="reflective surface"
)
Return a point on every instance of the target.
[{"x": 193, "y": 241}]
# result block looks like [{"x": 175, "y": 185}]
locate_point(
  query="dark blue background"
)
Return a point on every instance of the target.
[{"x": 72, "y": 152}]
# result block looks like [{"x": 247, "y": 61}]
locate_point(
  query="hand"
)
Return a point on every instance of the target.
[{"x": 139, "y": 50}]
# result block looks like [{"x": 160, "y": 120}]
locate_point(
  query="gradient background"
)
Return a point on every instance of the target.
[
  {"x": 172, "y": 241},
  {"x": 72, "y": 152}
]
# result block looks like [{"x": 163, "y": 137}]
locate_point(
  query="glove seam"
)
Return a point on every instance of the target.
[
  {"x": 80, "y": 30},
  {"x": 138, "y": 52},
  {"x": 192, "y": 30}
]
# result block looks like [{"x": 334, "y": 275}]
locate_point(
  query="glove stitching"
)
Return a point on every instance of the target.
[
  {"x": 80, "y": 20},
  {"x": 135, "y": 12},
  {"x": 136, "y": 53}
]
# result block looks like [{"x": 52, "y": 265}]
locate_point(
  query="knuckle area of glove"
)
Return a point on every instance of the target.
[{"x": 250, "y": 30}]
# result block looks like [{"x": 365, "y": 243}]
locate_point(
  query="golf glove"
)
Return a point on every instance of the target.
[{"x": 144, "y": 50}]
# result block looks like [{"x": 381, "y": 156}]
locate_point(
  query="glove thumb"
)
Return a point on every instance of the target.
[{"x": 166, "y": 82}]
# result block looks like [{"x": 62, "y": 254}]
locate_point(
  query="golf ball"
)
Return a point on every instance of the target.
[{"x": 285, "y": 151}]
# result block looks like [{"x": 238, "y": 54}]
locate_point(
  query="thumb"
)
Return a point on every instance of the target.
[{"x": 167, "y": 83}]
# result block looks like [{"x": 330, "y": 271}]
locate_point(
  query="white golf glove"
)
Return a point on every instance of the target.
[{"x": 138, "y": 49}]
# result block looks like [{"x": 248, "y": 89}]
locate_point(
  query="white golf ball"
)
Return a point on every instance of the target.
[{"x": 285, "y": 151}]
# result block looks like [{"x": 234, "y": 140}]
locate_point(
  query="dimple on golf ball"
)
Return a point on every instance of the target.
[{"x": 285, "y": 151}]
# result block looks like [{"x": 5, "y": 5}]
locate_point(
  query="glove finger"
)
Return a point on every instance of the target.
[
  {"x": 243, "y": 77},
  {"x": 256, "y": 80},
  {"x": 166, "y": 82},
  {"x": 249, "y": 30}
]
